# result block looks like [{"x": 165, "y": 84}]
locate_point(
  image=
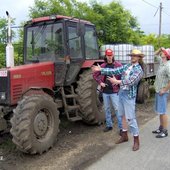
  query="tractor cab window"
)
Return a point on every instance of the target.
[
  {"x": 91, "y": 47},
  {"x": 45, "y": 42},
  {"x": 74, "y": 43}
]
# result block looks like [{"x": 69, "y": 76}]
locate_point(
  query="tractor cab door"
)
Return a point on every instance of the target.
[
  {"x": 75, "y": 51},
  {"x": 45, "y": 41}
]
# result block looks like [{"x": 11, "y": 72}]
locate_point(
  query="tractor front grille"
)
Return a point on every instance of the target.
[
  {"x": 4, "y": 90},
  {"x": 16, "y": 92}
]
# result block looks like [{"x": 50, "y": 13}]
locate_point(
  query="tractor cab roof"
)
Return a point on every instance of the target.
[{"x": 57, "y": 17}]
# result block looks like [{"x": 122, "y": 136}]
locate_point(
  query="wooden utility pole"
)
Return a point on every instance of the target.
[{"x": 160, "y": 24}]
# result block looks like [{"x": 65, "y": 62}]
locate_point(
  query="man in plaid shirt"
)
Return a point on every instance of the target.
[{"x": 131, "y": 74}]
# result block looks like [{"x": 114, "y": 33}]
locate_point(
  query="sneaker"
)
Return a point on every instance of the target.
[
  {"x": 107, "y": 129},
  {"x": 162, "y": 134},
  {"x": 157, "y": 131}
]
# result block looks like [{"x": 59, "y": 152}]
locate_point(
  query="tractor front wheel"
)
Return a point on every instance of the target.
[{"x": 35, "y": 124}]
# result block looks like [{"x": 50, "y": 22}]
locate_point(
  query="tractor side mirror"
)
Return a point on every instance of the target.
[{"x": 100, "y": 33}]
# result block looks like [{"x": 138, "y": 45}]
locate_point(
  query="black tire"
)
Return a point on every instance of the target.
[
  {"x": 143, "y": 92},
  {"x": 91, "y": 107},
  {"x": 35, "y": 124}
]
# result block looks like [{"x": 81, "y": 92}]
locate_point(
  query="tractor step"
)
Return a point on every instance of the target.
[
  {"x": 59, "y": 103},
  {"x": 74, "y": 107},
  {"x": 71, "y": 96},
  {"x": 71, "y": 110},
  {"x": 73, "y": 119}
]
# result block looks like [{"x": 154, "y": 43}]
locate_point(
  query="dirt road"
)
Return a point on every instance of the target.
[{"x": 77, "y": 146}]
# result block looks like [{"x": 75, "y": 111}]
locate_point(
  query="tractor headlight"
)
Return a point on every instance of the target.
[{"x": 2, "y": 95}]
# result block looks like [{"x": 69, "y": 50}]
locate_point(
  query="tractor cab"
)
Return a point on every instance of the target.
[{"x": 66, "y": 41}]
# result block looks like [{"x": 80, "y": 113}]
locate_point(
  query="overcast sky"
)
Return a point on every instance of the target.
[{"x": 143, "y": 10}]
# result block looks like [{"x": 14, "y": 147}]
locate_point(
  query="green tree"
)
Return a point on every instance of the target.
[
  {"x": 150, "y": 39},
  {"x": 3, "y": 31},
  {"x": 3, "y": 40},
  {"x": 18, "y": 45},
  {"x": 165, "y": 41},
  {"x": 117, "y": 23},
  {"x": 50, "y": 7},
  {"x": 153, "y": 39}
]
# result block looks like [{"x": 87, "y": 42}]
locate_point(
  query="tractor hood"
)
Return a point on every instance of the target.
[{"x": 15, "y": 81}]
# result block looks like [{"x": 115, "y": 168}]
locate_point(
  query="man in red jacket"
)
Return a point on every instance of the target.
[{"x": 109, "y": 91}]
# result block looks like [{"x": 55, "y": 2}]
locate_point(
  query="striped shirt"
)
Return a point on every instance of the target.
[
  {"x": 129, "y": 82},
  {"x": 162, "y": 76}
]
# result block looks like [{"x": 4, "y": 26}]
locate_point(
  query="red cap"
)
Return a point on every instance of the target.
[
  {"x": 109, "y": 52},
  {"x": 166, "y": 52}
]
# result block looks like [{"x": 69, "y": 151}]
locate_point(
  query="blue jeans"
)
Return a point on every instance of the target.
[
  {"x": 113, "y": 99},
  {"x": 161, "y": 103},
  {"x": 127, "y": 108}
]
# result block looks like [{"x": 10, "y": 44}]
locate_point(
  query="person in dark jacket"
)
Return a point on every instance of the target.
[{"x": 109, "y": 91}]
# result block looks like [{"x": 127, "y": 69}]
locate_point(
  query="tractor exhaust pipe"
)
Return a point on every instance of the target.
[{"x": 9, "y": 47}]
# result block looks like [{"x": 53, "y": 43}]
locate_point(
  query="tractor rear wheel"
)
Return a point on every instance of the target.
[
  {"x": 35, "y": 124},
  {"x": 91, "y": 108}
]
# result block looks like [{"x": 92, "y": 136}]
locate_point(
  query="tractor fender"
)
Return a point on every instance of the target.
[
  {"x": 38, "y": 90},
  {"x": 89, "y": 63}
]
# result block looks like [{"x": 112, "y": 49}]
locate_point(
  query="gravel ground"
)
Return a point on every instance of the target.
[{"x": 77, "y": 145}]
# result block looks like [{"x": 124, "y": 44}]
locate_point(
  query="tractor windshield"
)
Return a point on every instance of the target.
[{"x": 44, "y": 42}]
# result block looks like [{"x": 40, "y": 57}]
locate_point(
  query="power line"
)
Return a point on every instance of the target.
[
  {"x": 156, "y": 24},
  {"x": 150, "y": 4},
  {"x": 156, "y": 12},
  {"x": 165, "y": 13},
  {"x": 160, "y": 8},
  {"x": 155, "y": 7}
]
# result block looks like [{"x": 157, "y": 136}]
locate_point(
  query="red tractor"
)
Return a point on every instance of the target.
[{"x": 56, "y": 77}]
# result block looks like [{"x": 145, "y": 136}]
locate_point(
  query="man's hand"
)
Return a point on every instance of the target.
[
  {"x": 165, "y": 89},
  {"x": 159, "y": 51},
  {"x": 103, "y": 84},
  {"x": 96, "y": 68},
  {"x": 162, "y": 91},
  {"x": 113, "y": 80}
]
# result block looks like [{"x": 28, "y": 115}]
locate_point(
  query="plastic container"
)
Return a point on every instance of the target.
[{"x": 121, "y": 51}]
